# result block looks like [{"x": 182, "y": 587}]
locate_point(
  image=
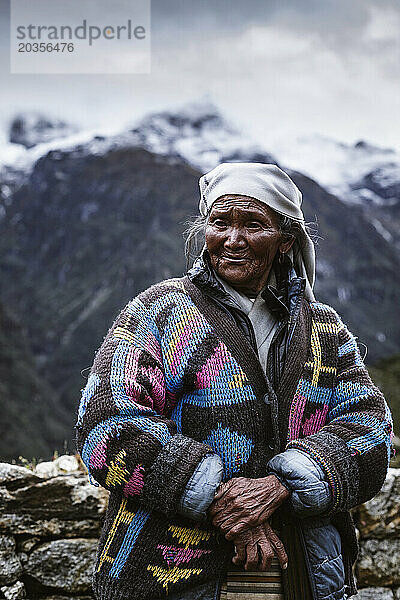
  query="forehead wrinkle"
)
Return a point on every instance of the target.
[
  {"x": 253, "y": 207},
  {"x": 239, "y": 200}
]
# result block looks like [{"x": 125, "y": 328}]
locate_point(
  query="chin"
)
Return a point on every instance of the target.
[{"x": 233, "y": 277}]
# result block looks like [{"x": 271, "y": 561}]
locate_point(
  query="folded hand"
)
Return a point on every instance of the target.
[
  {"x": 255, "y": 548},
  {"x": 242, "y": 503}
]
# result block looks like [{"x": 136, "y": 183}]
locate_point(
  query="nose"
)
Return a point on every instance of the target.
[{"x": 235, "y": 239}]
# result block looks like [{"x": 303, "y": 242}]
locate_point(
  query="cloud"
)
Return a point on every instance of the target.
[
  {"x": 277, "y": 78},
  {"x": 293, "y": 67}
]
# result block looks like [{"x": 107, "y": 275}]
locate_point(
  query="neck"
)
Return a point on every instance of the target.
[{"x": 251, "y": 290}]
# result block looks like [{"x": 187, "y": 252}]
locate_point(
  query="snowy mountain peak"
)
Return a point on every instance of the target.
[
  {"x": 357, "y": 173},
  {"x": 198, "y": 133},
  {"x": 367, "y": 147},
  {"x": 32, "y": 128}
]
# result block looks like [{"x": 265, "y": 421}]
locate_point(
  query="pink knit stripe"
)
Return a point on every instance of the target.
[
  {"x": 158, "y": 388},
  {"x": 212, "y": 367},
  {"x": 296, "y": 415},
  {"x": 98, "y": 457},
  {"x": 315, "y": 421},
  {"x": 176, "y": 555},
  {"x": 135, "y": 483}
]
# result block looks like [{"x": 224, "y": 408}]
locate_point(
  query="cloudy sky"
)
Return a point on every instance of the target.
[{"x": 275, "y": 68}]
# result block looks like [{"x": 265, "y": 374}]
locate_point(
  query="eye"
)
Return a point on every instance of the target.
[
  {"x": 253, "y": 225},
  {"x": 218, "y": 223}
]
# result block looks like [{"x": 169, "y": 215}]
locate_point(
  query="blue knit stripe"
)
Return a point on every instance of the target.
[
  {"x": 88, "y": 391},
  {"x": 219, "y": 396},
  {"x": 176, "y": 416},
  {"x": 134, "y": 528},
  {"x": 112, "y": 427},
  {"x": 351, "y": 346},
  {"x": 314, "y": 393},
  {"x": 378, "y": 431},
  {"x": 351, "y": 391},
  {"x": 172, "y": 299},
  {"x": 234, "y": 448}
]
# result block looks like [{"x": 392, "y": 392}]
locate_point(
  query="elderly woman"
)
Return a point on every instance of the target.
[{"x": 231, "y": 417}]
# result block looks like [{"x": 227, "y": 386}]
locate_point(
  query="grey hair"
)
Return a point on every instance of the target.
[
  {"x": 195, "y": 237},
  {"x": 195, "y": 231}
]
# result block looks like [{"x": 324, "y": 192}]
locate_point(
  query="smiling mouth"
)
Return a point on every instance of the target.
[{"x": 235, "y": 259}]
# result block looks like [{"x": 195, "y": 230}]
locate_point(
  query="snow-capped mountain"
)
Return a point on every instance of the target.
[
  {"x": 360, "y": 173},
  {"x": 198, "y": 133},
  {"x": 30, "y": 129}
]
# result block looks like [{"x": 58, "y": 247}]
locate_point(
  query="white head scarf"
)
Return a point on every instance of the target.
[{"x": 272, "y": 186}]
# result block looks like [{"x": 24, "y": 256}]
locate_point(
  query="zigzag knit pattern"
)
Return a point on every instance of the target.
[{"x": 165, "y": 390}]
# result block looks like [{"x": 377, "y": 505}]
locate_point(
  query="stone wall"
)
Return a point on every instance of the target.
[
  {"x": 50, "y": 520},
  {"x": 378, "y": 567}
]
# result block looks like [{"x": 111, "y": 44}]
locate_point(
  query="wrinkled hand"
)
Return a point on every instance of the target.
[
  {"x": 255, "y": 548},
  {"x": 242, "y": 503}
]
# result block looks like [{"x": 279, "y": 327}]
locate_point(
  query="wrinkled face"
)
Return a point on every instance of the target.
[{"x": 242, "y": 238}]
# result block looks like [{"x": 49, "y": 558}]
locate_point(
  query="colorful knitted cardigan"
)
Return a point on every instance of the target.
[{"x": 174, "y": 380}]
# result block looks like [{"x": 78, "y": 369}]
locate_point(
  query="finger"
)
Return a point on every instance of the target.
[
  {"x": 226, "y": 522},
  {"x": 240, "y": 555},
  {"x": 266, "y": 555},
  {"x": 279, "y": 549},
  {"x": 251, "y": 557},
  {"x": 236, "y": 529}
]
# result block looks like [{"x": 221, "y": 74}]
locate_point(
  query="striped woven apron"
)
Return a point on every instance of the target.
[{"x": 257, "y": 585}]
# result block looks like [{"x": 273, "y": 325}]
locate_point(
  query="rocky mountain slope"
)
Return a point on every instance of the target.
[
  {"x": 86, "y": 225},
  {"x": 33, "y": 422}
]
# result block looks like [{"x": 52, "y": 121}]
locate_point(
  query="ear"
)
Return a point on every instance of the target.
[{"x": 286, "y": 245}]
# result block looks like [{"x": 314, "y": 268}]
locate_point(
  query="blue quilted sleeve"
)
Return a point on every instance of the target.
[
  {"x": 201, "y": 488},
  {"x": 305, "y": 479}
]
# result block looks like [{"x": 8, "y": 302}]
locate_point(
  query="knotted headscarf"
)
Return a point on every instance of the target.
[{"x": 272, "y": 186}]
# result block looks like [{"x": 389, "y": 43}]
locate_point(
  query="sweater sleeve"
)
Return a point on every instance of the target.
[
  {"x": 124, "y": 434},
  {"x": 353, "y": 448}
]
